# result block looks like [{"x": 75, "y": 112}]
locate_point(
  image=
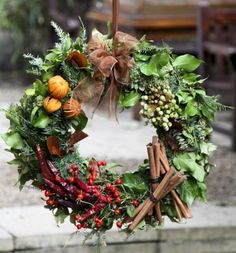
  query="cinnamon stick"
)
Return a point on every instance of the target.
[
  {"x": 149, "y": 204},
  {"x": 184, "y": 209},
  {"x": 156, "y": 150}
]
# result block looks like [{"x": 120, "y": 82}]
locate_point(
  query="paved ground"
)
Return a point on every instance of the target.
[{"x": 213, "y": 229}]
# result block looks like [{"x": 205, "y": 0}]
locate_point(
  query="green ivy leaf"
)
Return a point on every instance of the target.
[
  {"x": 191, "y": 189},
  {"x": 42, "y": 121},
  {"x": 13, "y": 140},
  {"x": 61, "y": 214},
  {"x": 206, "y": 148},
  {"x": 191, "y": 109},
  {"x": 184, "y": 97},
  {"x": 129, "y": 99},
  {"x": 208, "y": 112},
  {"x": 187, "y": 62},
  {"x": 187, "y": 162},
  {"x": 149, "y": 69},
  {"x": 80, "y": 122},
  {"x": 134, "y": 182},
  {"x": 187, "y": 191},
  {"x": 130, "y": 211},
  {"x": 112, "y": 166},
  {"x": 30, "y": 92},
  {"x": 40, "y": 88},
  {"x": 142, "y": 57}
]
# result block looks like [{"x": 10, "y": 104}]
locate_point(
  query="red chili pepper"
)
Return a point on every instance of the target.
[
  {"x": 98, "y": 207},
  {"x": 58, "y": 189},
  {"x": 85, "y": 187},
  {"x": 70, "y": 188},
  {"x": 43, "y": 165}
]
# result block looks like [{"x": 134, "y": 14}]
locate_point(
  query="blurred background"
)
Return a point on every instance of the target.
[{"x": 206, "y": 29}]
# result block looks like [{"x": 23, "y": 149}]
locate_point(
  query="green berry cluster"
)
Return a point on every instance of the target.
[{"x": 159, "y": 106}]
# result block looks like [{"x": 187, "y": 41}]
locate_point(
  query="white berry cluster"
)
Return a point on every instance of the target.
[{"x": 159, "y": 106}]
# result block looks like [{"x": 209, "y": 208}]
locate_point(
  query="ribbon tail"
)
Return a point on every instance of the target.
[{"x": 88, "y": 92}]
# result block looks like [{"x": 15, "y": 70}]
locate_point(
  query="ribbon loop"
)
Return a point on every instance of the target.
[{"x": 93, "y": 91}]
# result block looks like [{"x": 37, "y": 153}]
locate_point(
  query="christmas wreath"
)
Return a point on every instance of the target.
[{"x": 77, "y": 79}]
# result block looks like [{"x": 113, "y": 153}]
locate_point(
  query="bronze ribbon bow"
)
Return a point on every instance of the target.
[{"x": 101, "y": 92}]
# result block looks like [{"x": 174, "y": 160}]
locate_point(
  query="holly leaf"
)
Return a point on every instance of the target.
[
  {"x": 187, "y": 162},
  {"x": 129, "y": 99},
  {"x": 13, "y": 140},
  {"x": 187, "y": 62}
]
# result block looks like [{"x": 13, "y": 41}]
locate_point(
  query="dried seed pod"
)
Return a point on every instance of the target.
[
  {"x": 51, "y": 104},
  {"x": 58, "y": 87},
  {"x": 72, "y": 108}
]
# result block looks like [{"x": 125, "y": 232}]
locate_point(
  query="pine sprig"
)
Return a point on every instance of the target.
[{"x": 60, "y": 33}]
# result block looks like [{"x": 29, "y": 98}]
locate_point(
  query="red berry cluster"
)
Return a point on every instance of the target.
[
  {"x": 87, "y": 198},
  {"x": 73, "y": 170}
]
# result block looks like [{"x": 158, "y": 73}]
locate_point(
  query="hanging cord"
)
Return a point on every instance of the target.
[{"x": 115, "y": 15}]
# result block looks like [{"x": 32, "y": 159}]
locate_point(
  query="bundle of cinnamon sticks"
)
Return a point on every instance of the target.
[{"x": 164, "y": 180}]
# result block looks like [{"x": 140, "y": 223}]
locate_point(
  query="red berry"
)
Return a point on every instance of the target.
[
  {"x": 119, "y": 224},
  {"x": 79, "y": 225},
  {"x": 58, "y": 178},
  {"x": 117, "y": 211},
  {"x": 80, "y": 196},
  {"x": 50, "y": 202},
  {"x": 116, "y": 194},
  {"x": 99, "y": 223},
  {"x": 84, "y": 225},
  {"x": 103, "y": 198},
  {"x": 70, "y": 170},
  {"x": 90, "y": 182},
  {"x": 96, "y": 219},
  {"x": 118, "y": 181},
  {"x": 112, "y": 189},
  {"x": 71, "y": 180},
  {"x": 118, "y": 200},
  {"x": 103, "y": 163},
  {"x": 134, "y": 202},
  {"x": 47, "y": 193},
  {"x": 97, "y": 194},
  {"x": 74, "y": 167},
  {"x": 91, "y": 169},
  {"x": 77, "y": 217},
  {"x": 94, "y": 177},
  {"x": 108, "y": 186},
  {"x": 108, "y": 199}
]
